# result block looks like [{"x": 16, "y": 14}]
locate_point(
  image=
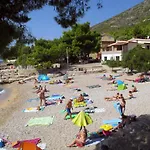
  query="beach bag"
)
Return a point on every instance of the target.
[
  {"x": 28, "y": 146},
  {"x": 2, "y": 144}
]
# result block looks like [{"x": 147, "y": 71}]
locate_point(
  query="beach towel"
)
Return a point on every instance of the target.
[
  {"x": 72, "y": 115},
  {"x": 113, "y": 122},
  {"x": 94, "y": 86},
  {"x": 79, "y": 104},
  {"x": 33, "y": 99},
  {"x": 33, "y": 109},
  {"x": 40, "y": 121},
  {"x": 55, "y": 97},
  {"x": 51, "y": 103},
  {"x": 42, "y": 145},
  {"x": 94, "y": 110},
  {"x": 18, "y": 143},
  {"x": 106, "y": 127},
  {"x": 90, "y": 142},
  {"x": 28, "y": 146},
  {"x": 88, "y": 101},
  {"x": 117, "y": 106},
  {"x": 98, "y": 110}
]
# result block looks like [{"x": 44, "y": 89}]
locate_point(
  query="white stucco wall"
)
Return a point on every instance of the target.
[{"x": 111, "y": 55}]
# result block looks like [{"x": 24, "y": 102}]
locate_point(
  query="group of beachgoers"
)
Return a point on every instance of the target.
[
  {"x": 141, "y": 78},
  {"x": 82, "y": 135},
  {"x": 121, "y": 99}
]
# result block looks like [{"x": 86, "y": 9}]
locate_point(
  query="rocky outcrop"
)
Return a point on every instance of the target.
[
  {"x": 134, "y": 136},
  {"x": 12, "y": 75}
]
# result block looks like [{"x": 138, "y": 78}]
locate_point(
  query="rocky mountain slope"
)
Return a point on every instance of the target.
[{"x": 132, "y": 16}]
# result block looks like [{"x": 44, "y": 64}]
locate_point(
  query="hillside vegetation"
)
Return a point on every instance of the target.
[{"x": 138, "y": 15}]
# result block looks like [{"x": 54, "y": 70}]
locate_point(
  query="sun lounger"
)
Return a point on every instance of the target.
[{"x": 94, "y": 86}]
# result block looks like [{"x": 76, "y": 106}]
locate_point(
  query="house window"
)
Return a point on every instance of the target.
[
  {"x": 148, "y": 47},
  {"x": 117, "y": 58},
  {"x": 119, "y": 47},
  {"x": 105, "y": 58}
]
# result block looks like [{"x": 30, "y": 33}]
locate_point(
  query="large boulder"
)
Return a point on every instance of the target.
[{"x": 134, "y": 136}]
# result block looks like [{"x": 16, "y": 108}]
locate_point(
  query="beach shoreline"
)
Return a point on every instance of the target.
[{"x": 8, "y": 103}]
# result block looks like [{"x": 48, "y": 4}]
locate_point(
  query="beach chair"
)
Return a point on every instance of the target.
[{"x": 28, "y": 146}]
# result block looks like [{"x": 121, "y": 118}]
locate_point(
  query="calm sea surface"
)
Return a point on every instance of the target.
[{"x": 4, "y": 93}]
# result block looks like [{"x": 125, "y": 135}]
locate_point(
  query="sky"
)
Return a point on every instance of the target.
[{"x": 43, "y": 25}]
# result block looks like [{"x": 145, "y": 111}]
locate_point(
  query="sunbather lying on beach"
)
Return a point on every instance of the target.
[
  {"x": 130, "y": 95},
  {"x": 116, "y": 97},
  {"x": 112, "y": 82},
  {"x": 80, "y": 98},
  {"x": 141, "y": 78},
  {"x": 80, "y": 139},
  {"x": 134, "y": 89}
]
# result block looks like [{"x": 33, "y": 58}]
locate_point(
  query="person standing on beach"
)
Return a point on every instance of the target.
[
  {"x": 68, "y": 109},
  {"x": 35, "y": 83},
  {"x": 41, "y": 93},
  {"x": 122, "y": 105}
]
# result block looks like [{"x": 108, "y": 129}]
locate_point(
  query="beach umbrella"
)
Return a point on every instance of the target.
[
  {"x": 82, "y": 119},
  {"x": 119, "y": 82},
  {"x": 43, "y": 77}
]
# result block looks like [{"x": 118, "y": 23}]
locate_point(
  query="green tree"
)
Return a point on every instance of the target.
[
  {"x": 14, "y": 15},
  {"x": 23, "y": 54},
  {"x": 45, "y": 53},
  {"x": 137, "y": 59},
  {"x": 81, "y": 41}
]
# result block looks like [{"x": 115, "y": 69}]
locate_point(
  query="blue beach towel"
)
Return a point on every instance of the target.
[
  {"x": 113, "y": 122},
  {"x": 55, "y": 97},
  {"x": 117, "y": 106}
]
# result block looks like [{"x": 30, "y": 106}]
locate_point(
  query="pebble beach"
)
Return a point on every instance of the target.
[{"x": 62, "y": 132}]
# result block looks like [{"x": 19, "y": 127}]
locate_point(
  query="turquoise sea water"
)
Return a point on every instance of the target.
[
  {"x": 1, "y": 90},
  {"x": 4, "y": 93}
]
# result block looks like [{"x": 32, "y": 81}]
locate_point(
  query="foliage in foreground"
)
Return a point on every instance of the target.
[{"x": 14, "y": 15}]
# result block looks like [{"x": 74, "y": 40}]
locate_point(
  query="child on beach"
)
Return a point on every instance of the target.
[{"x": 68, "y": 109}]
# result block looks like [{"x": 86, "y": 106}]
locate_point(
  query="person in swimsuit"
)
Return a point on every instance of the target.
[
  {"x": 130, "y": 95},
  {"x": 41, "y": 93},
  {"x": 80, "y": 139},
  {"x": 68, "y": 109},
  {"x": 114, "y": 98},
  {"x": 122, "y": 104},
  {"x": 134, "y": 89},
  {"x": 81, "y": 98}
]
